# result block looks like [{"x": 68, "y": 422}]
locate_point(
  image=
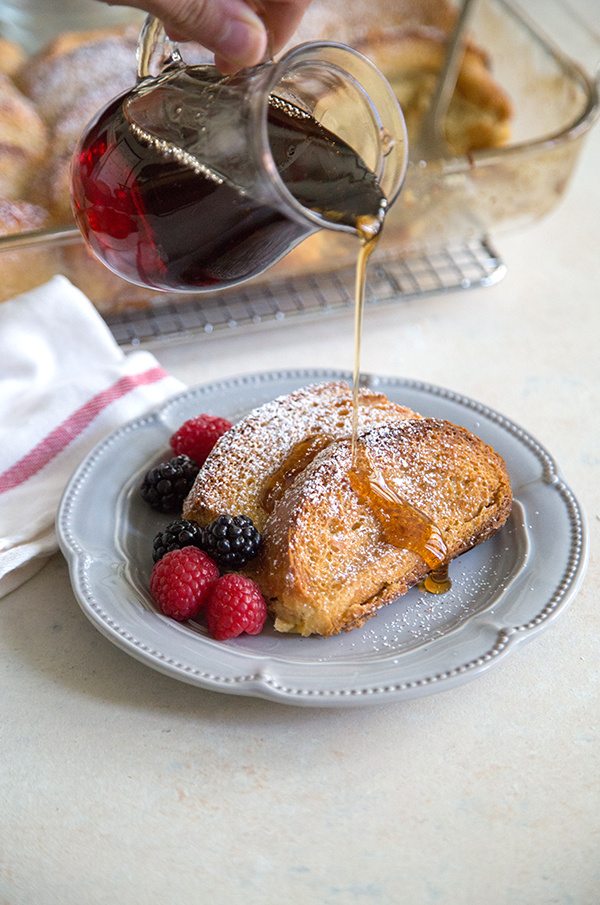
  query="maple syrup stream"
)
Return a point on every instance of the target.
[{"x": 402, "y": 524}]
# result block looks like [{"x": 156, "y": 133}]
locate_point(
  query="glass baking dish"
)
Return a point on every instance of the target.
[{"x": 445, "y": 202}]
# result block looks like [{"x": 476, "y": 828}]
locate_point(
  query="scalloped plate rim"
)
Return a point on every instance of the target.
[{"x": 261, "y": 683}]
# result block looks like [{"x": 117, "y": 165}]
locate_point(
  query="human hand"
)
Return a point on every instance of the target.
[{"x": 239, "y": 32}]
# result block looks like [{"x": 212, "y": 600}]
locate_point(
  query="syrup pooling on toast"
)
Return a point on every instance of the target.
[
  {"x": 299, "y": 457},
  {"x": 402, "y": 524}
]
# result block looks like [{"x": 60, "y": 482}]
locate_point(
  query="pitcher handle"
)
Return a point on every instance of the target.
[{"x": 153, "y": 36}]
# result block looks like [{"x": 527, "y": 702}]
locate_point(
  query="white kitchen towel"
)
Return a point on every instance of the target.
[{"x": 64, "y": 385}]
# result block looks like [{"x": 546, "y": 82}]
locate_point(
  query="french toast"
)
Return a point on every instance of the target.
[
  {"x": 407, "y": 41},
  {"x": 328, "y": 561},
  {"x": 12, "y": 57},
  {"x": 334, "y": 20},
  {"x": 23, "y": 141},
  {"x": 235, "y": 478},
  {"x": 326, "y": 567}
]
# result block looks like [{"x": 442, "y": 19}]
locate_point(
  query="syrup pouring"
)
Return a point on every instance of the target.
[{"x": 194, "y": 181}]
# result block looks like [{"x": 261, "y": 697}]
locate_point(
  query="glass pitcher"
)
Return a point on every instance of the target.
[{"x": 194, "y": 181}]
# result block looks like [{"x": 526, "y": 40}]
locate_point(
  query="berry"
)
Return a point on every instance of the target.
[
  {"x": 232, "y": 540},
  {"x": 181, "y": 582},
  {"x": 235, "y": 605},
  {"x": 197, "y": 436},
  {"x": 166, "y": 486},
  {"x": 178, "y": 534}
]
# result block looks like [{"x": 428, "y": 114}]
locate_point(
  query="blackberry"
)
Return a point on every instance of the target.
[
  {"x": 166, "y": 486},
  {"x": 178, "y": 534},
  {"x": 231, "y": 540}
]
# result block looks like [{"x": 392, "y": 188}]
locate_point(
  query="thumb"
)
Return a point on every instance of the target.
[{"x": 229, "y": 28}]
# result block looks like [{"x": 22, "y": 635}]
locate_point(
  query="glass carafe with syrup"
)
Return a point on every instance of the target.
[{"x": 195, "y": 181}]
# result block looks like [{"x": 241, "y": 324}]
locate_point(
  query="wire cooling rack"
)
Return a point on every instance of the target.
[{"x": 391, "y": 280}]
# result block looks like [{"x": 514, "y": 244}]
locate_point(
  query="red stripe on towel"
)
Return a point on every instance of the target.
[{"x": 48, "y": 448}]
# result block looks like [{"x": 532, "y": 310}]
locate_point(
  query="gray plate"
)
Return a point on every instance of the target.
[{"x": 503, "y": 592}]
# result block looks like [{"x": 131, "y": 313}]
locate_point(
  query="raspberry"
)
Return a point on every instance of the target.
[
  {"x": 197, "y": 436},
  {"x": 235, "y": 605},
  {"x": 177, "y": 534},
  {"x": 231, "y": 540},
  {"x": 166, "y": 486},
  {"x": 181, "y": 582}
]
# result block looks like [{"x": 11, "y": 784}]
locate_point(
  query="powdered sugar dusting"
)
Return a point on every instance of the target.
[
  {"x": 420, "y": 618},
  {"x": 56, "y": 82},
  {"x": 234, "y": 474},
  {"x": 327, "y": 561},
  {"x": 362, "y": 18},
  {"x": 325, "y": 550}
]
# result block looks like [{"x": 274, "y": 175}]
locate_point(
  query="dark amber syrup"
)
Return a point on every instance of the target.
[
  {"x": 160, "y": 223},
  {"x": 437, "y": 582},
  {"x": 402, "y": 524},
  {"x": 299, "y": 457}
]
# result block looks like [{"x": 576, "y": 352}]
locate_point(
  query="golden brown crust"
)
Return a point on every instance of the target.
[
  {"x": 325, "y": 567},
  {"x": 23, "y": 140},
  {"x": 234, "y": 477},
  {"x": 12, "y": 57},
  {"x": 407, "y": 40},
  {"x": 325, "y": 564}
]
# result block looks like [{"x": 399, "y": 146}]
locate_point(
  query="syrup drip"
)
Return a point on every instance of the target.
[
  {"x": 402, "y": 524},
  {"x": 299, "y": 458},
  {"x": 368, "y": 228},
  {"x": 437, "y": 582}
]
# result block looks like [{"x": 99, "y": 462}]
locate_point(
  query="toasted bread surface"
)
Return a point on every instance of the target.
[
  {"x": 325, "y": 566},
  {"x": 235, "y": 477},
  {"x": 12, "y": 57}
]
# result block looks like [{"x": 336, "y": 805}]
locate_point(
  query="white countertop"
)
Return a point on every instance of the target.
[{"x": 119, "y": 784}]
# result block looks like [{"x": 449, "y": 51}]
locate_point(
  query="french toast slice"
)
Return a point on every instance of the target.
[
  {"x": 251, "y": 464},
  {"x": 325, "y": 565}
]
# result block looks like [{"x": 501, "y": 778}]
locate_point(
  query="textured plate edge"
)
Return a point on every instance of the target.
[{"x": 262, "y": 684}]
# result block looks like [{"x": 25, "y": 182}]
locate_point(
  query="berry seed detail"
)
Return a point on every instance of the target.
[
  {"x": 197, "y": 436},
  {"x": 177, "y": 534},
  {"x": 235, "y": 605},
  {"x": 232, "y": 540},
  {"x": 166, "y": 486},
  {"x": 181, "y": 582}
]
